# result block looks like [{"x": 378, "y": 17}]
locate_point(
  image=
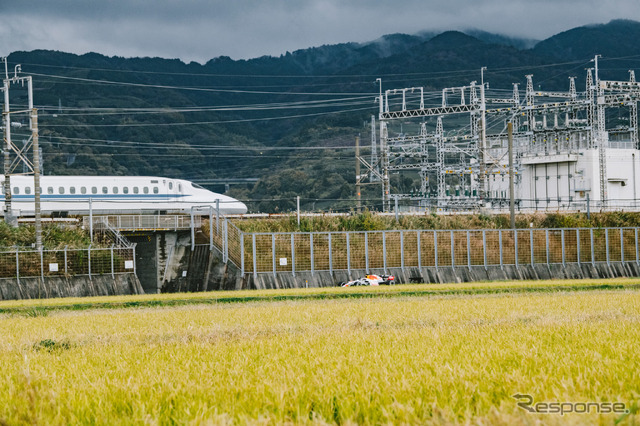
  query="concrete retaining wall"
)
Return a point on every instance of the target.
[
  {"x": 201, "y": 270},
  {"x": 447, "y": 274},
  {"x": 73, "y": 286}
]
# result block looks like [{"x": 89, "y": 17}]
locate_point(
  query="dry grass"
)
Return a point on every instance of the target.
[{"x": 382, "y": 360}]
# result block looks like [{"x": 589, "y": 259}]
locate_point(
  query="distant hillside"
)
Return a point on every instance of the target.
[
  {"x": 617, "y": 39},
  {"x": 249, "y": 118}
]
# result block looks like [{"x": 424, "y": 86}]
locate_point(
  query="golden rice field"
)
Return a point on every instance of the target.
[{"x": 401, "y": 359}]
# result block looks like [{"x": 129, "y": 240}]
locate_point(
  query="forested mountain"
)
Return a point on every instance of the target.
[{"x": 290, "y": 121}]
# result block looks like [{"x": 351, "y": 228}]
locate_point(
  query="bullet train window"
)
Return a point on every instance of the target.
[
  {"x": 94, "y": 190},
  {"x": 27, "y": 190},
  {"x": 83, "y": 189},
  {"x": 154, "y": 181},
  {"x": 105, "y": 190},
  {"x": 125, "y": 190},
  {"x": 170, "y": 185},
  {"x": 50, "y": 190},
  {"x": 115, "y": 189},
  {"x": 72, "y": 190},
  {"x": 136, "y": 190},
  {"x": 180, "y": 187},
  {"x": 16, "y": 190},
  {"x": 195, "y": 185},
  {"x": 145, "y": 190},
  {"x": 60, "y": 190},
  {"x": 155, "y": 190}
]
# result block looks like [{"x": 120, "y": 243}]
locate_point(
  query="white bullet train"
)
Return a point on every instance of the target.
[{"x": 77, "y": 195}]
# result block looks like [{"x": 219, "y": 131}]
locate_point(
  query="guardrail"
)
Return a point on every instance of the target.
[{"x": 142, "y": 222}]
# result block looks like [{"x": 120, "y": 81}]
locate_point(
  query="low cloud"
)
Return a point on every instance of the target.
[{"x": 202, "y": 29}]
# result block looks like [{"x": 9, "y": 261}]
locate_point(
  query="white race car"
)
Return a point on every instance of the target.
[{"x": 370, "y": 280}]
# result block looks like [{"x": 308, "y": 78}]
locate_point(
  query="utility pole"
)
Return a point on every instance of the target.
[
  {"x": 32, "y": 165},
  {"x": 358, "y": 189},
  {"x": 512, "y": 203},
  {"x": 6, "y": 115}
]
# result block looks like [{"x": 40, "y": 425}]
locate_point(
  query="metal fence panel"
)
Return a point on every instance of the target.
[
  {"x": 357, "y": 250},
  {"x": 302, "y": 245},
  {"x": 508, "y": 247},
  {"x": 283, "y": 252},
  {"x": 493, "y": 247},
  {"x": 339, "y": 250},
  {"x": 555, "y": 246},
  {"x": 600, "y": 244},
  {"x": 375, "y": 252}
]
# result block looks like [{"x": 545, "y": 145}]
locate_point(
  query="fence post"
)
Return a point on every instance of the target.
[
  {"x": 606, "y": 244},
  {"x": 419, "y": 250},
  {"x": 402, "y": 250},
  {"x": 293, "y": 255},
  {"x": 89, "y": 260},
  {"x": 193, "y": 231},
  {"x": 468, "y": 250},
  {"x": 242, "y": 253},
  {"x": 65, "y": 260},
  {"x": 593, "y": 255},
  {"x": 18, "y": 265},
  {"x": 384, "y": 251},
  {"x": 533, "y": 258},
  {"x": 273, "y": 253},
  {"x": 330, "y": 255},
  {"x": 435, "y": 248},
  {"x": 210, "y": 228},
  {"x": 225, "y": 226},
  {"x": 562, "y": 243},
  {"x": 134, "y": 258},
  {"x": 255, "y": 261},
  {"x": 42, "y": 263},
  {"x": 637, "y": 251},
  {"x": 484, "y": 248},
  {"x": 578, "y": 244},
  {"x": 311, "y": 251},
  {"x": 348, "y": 256},
  {"x": 113, "y": 275},
  {"x": 515, "y": 246},
  {"x": 500, "y": 248},
  {"x": 546, "y": 236},
  {"x": 453, "y": 256},
  {"x": 621, "y": 244},
  {"x": 366, "y": 252},
  {"x": 218, "y": 215}
]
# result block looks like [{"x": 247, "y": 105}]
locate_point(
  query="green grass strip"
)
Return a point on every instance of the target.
[{"x": 41, "y": 307}]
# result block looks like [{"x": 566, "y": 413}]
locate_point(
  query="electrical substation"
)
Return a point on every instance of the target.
[{"x": 570, "y": 151}]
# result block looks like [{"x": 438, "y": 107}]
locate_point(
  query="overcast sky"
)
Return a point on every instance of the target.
[{"x": 198, "y": 30}]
